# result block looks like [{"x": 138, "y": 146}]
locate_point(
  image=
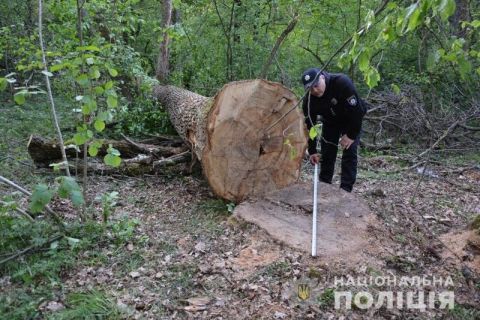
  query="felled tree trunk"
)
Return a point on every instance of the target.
[
  {"x": 245, "y": 146},
  {"x": 45, "y": 152}
]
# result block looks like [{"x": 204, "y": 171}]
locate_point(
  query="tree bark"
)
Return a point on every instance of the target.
[
  {"x": 227, "y": 133},
  {"x": 44, "y": 152},
  {"x": 163, "y": 64}
]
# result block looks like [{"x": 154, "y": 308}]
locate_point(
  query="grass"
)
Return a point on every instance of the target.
[
  {"x": 276, "y": 270},
  {"x": 463, "y": 313},
  {"x": 88, "y": 305},
  {"x": 326, "y": 298},
  {"x": 23, "y": 302},
  {"x": 37, "y": 276},
  {"x": 207, "y": 217},
  {"x": 17, "y": 123},
  {"x": 180, "y": 277}
]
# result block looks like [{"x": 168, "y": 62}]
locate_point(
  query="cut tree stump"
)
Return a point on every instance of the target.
[
  {"x": 228, "y": 134},
  {"x": 286, "y": 214}
]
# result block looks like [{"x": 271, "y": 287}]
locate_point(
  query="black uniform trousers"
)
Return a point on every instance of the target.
[{"x": 329, "y": 143}]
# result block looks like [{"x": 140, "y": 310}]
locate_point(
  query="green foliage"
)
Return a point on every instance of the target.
[
  {"x": 41, "y": 196},
  {"x": 326, "y": 298},
  {"x": 123, "y": 230},
  {"x": 144, "y": 116},
  {"x": 464, "y": 312},
  {"x": 113, "y": 157},
  {"x": 69, "y": 188},
  {"x": 315, "y": 131},
  {"x": 108, "y": 201},
  {"x": 88, "y": 305}
]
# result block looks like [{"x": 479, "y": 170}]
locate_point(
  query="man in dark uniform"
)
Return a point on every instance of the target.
[{"x": 333, "y": 97}]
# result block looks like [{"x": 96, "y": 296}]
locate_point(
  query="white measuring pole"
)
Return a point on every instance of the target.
[{"x": 314, "y": 217}]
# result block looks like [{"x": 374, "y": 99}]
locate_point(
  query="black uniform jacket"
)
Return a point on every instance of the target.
[{"x": 340, "y": 106}]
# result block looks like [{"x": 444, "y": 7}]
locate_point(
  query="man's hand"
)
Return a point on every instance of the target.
[
  {"x": 345, "y": 142},
  {"x": 315, "y": 158}
]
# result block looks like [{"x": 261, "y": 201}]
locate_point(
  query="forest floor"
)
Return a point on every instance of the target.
[{"x": 184, "y": 256}]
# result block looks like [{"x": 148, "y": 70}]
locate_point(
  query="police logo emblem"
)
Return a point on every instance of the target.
[
  {"x": 352, "y": 101},
  {"x": 307, "y": 77},
  {"x": 303, "y": 292}
]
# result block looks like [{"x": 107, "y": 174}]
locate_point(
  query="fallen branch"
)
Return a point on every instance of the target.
[
  {"x": 44, "y": 152},
  {"x": 28, "y": 193},
  {"x": 22, "y": 212},
  {"x": 444, "y": 135},
  {"x": 179, "y": 158},
  {"x": 24, "y": 251}
]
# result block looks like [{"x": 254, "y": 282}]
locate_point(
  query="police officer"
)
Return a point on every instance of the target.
[{"x": 333, "y": 97}]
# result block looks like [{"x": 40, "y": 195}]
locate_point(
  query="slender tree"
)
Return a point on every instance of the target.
[
  {"x": 163, "y": 65},
  {"x": 49, "y": 89}
]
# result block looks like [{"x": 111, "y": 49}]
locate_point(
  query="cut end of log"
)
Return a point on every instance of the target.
[{"x": 241, "y": 157}]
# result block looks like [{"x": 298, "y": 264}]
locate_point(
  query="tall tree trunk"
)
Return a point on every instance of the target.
[
  {"x": 163, "y": 65},
  {"x": 250, "y": 138},
  {"x": 276, "y": 47}
]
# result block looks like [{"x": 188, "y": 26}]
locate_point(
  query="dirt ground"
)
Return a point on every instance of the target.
[{"x": 190, "y": 259}]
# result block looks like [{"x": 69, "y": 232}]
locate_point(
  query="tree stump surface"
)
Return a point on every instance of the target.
[{"x": 286, "y": 214}]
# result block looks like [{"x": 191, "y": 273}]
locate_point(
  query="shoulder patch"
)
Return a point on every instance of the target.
[{"x": 352, "y": 101}]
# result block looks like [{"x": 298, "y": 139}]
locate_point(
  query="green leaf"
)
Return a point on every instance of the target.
[
  {"x": 90, "y": 105},
  {"x": 109, "y": 85},
  {"x": 364, "y": 60},
  {"x": 54, "y": 245},
  {"x": 99, "y": 90},
  {"x": 57, "y": 67},
  {"x": 82, "y": 80},
  {"x": 388, "y": 33},
  {"x": 72, "y": 241},
  {"x": 19, "y": 97},
  {"x": 79, "y": 138},
  {"x": 86, "y": 110},
  {"x": 112, "y": 101},
  {"x": 313, "y": 133},
  {"x": 408, "y": 13},
  {"x": 103, "y": 116},
  {"x": 372, "y": 77},
  {"x": 90, "y": 60},
  {"x": 57, "y": 166},
  {"x": 112, "y": 72},
  {"x": 92, "y": 150},
  {"x": 112, "y": 160},
  {"x": 446, "y": 9},
  {"x": 40, "y": 197},
  {"x": 77, "y": 198},
  {"x": 95, "y": 73},
  {"x": 414, "y": 20},
  {"x": 88, "y": 48},
  {"x": 99, "y": 125},
  {"x": 67, "y": 185},
  {"x": 47, "y": 73},
  {"x": 113, "y": 151},
  {"x": 395, "y": 88},
  {"x": 3, "y": 84},
  {"x": 69, "y": 188}
]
